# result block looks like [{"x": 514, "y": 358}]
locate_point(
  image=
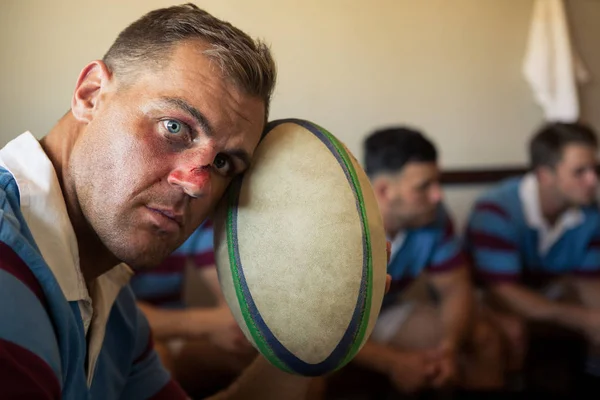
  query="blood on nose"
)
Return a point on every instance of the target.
[
  {"x": 200, "y": 176},
  {"x": 195, "y": 181}
]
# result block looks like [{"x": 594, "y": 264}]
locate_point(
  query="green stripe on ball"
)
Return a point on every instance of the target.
[
  {"x": 260, "y": 341},
  {"x": 367, "y": 309}
]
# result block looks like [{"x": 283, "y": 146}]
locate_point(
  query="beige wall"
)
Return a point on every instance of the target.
[
  {"x": 451, "y": 67},
  {"x": 584, "y": 16}
]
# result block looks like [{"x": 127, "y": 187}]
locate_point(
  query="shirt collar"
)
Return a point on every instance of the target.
[
  {"x": 44, "y": 209},
  {"x": 397, "y": 243},
  {"x": 530, "y": 200}
]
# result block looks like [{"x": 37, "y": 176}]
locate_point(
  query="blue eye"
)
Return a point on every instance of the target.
[{"x": 172, "y": 126}]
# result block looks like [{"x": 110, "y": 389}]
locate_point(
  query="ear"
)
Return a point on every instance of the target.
[
  {"x": 544, "y": 174},
  {"x": 380, "y": 187},
  {"x": 93, "y": 78}
]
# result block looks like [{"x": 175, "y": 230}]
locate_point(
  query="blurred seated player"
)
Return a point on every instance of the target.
[
  {"x": 416, "y": 344},
  {"x": 535, "y": 238},
  {"x": 191, "y": 339}
]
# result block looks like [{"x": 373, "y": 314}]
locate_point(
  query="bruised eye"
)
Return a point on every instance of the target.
[{"x": 173, "y": 126}]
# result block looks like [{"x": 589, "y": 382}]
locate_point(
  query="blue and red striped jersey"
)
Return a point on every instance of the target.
[
  {"x": 433, "y": 248},
  {"x": 44, "y": 350},
  {"x": 505, "y": 247}
]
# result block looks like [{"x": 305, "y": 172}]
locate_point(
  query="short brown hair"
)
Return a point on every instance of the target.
[
  {"x": 546, "y": 147},
  {"x": 246, "y": 62}
]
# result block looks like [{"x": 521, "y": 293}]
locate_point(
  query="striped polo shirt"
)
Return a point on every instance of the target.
[
  {"x": 509, "y": 239},
  {"x": 57, "y": 340},
  {"x": 163, "y": 286},
  {"x": 433, "y": 248}
]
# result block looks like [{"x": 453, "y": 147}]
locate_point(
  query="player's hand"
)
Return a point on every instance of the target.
[
  {"x": 412, "y": 371},
  {"x": 446, "y": 371}
]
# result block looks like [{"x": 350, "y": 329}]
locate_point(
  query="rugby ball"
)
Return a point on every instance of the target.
[{"x": 301, "y": 250}]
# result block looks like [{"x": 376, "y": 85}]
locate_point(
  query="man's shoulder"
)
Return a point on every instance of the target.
[
  {"x": 18, "y": 250},
  {"x": 9, "y": 191},
  {"x": 501, "y": 199},
  {"x": 21, "y": 262},
  {"x": 27, "y": 331},
  {"x": 502, "y": 190},
  {"x": 6, "y": 178},
  {"x": 14, "y": 231}
]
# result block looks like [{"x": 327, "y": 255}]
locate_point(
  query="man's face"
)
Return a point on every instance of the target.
[
  {"x": 158, "y": 154},
  {"x": 574, "y": 177},
  {"x": 414, "y": 194}
]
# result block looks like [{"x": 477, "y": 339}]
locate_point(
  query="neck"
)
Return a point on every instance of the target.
[
  {"x": 551, "y": 204},
  {"x": 94, "y": 258}
]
